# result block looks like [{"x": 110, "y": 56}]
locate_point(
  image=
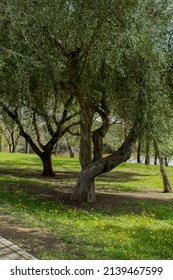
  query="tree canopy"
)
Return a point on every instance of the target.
[{"x": 60, "y": 58}]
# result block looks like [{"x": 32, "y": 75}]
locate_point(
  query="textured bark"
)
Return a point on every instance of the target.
[
  {"x": 47, "y": 164},
  {"x": 103, "y": 165},
  {"x": 86, "y": 117},
  {"x": 166, "y": 182},
  {"x": 99, "y": 134},
  {"x": 85, "y": 154}
]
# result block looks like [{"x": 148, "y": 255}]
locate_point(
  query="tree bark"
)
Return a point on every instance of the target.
[
  {"x": 166, "y": 182},
  {"x": 56, "y": 149},
  {"x": 103, "y": 165},
  {"x": 139, "y": 151},
  {"x": 99, "y": 134},
  {"x": 147, "y": 152},
  {"x": 47, "y": 164},
  {"x": 9, "y": 147},
  {"x": 166, "y": 160},
  {"x": 69, "y": 148},
  {"x": 86, "y": 116},
  {"x": 85, "y": 154},
  {"x": 26, "y": 147}
]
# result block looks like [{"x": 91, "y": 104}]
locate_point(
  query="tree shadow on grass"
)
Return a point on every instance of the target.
[
  {"x": 122, "y": 176},
  {"x": 32, "y": 194},
  {"x": 29, "y": 173},
  {"x": 117, "y": 176}
]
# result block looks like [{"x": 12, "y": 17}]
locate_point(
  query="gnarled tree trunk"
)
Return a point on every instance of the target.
[
  {"x": 103, "y": 165},
  {"x": 85, "y": 155}
]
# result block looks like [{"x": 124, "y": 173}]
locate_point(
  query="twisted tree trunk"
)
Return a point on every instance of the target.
[
  {"x": 85, "y": 155},
  {"x": 88, "y": 174}
]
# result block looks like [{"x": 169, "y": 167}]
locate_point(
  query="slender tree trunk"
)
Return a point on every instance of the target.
[
  {"x": 139, "y": 151},
  {"x": 26, "y": 147},
  {"x": 155, "y": 159},
  {"x": 69, "y": 148},
  {"x": 9, "y": 147},
  {"x": 147, "y": 152},
  {"x": 56, "y": 149},
  {"x": 166, "y": 161},
  {"x": 13, "y": 142},
  {"x": 166, "y": 182}
]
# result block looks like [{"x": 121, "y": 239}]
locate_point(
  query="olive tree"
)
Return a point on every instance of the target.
[{"x": 104, "y": 54}]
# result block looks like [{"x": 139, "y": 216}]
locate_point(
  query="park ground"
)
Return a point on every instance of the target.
[{"x": 132, "y": 218}]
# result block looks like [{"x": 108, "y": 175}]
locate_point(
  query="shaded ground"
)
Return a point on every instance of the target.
[{"x": 33, "y": 240}]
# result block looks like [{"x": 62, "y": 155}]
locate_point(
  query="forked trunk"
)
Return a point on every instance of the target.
[{"x": 103, "y": 165}]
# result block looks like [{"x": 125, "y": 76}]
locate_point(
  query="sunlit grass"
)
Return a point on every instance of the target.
[{"x": 88, "y": 232}]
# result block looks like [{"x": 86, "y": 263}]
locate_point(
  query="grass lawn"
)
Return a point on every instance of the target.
[{"x": 132, "y": 218}]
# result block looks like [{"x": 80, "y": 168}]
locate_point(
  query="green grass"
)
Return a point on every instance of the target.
[{"x": 135, "y": 228}]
